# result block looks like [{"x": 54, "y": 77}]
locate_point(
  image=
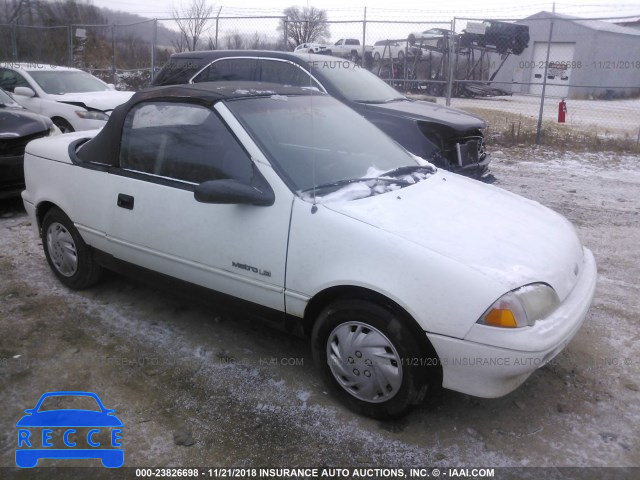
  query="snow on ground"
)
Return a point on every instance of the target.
[
  {"x": 614, "y": 116},
  {"x": 195, "y": 385}
]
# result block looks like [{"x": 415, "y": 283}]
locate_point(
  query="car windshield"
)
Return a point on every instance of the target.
[
  {"x": 317, "y": 140},
  {"x": 65, "y": 402},
  {"x": 354, "y": 82},
  {"x": 61, "y": 82}
]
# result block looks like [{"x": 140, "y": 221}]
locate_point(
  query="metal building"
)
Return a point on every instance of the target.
[{"x": 588, "y": 59}]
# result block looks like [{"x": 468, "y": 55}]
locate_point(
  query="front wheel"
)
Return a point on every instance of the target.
[
  {"x": 370, "y": 359},
  {"x": 68, "y": 256},
  {"x": 63, "y": 125}
]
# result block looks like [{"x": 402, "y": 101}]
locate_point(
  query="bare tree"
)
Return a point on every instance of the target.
[
  {"x": 234, "y": 40},
  {"x": 192, "y": 21},
  {"x": 304, "y": 24}
]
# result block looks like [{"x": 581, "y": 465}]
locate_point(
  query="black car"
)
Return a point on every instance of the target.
[
  {"x": 17, "y": 128},
  {"x": 503, "y": 36},
  {"x": 449, "y": 138}
]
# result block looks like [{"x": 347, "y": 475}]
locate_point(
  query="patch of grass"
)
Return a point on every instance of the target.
[{"x": 508, "y": 129}]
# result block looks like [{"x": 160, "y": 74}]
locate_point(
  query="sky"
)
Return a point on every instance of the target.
[{"x": 391, "y": 9}]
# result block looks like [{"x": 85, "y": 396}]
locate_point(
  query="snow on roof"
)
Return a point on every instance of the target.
[{"x": 599, "y": 25}]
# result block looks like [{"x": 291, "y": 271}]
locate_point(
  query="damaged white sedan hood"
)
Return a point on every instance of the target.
[{"x": 512, "y": 240}]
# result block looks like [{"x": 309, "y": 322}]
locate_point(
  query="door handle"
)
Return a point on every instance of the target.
[{"x": 125, "y": 201}]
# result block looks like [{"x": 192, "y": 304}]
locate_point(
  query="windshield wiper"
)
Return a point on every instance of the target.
[
  {"x": 348, "y": 181},
  {"x": 396, "y": 99},
  {"x": 407, "y": 170}
]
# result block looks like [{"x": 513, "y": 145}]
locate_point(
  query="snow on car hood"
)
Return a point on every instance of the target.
[
  {"x": 429, "y": 112},
  {"x": 510, "y": 239},
  {"x": 97, "y": 100}
]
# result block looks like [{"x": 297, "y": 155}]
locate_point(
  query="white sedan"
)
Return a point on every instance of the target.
[
  {"x": 73, "y": 99},
  {"x": 388, "y": 49},
  {"x": 404, "y": 277},
  {"x": 310, "y": 48}
]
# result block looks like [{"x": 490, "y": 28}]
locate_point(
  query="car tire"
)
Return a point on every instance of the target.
[
  {"x": 434, "y": 89},
  {"x": 401, "y": 56},
  {"x": 384, "y": 381},
  {"x": 354, "y": 57},
  {"x": 70, "y": 258},
  {"x": 63, "y": 125},
  {"x": 439, "y": 44}
]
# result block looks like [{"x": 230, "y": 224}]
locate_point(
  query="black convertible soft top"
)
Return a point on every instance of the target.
[{"x": 105, "y": 146}]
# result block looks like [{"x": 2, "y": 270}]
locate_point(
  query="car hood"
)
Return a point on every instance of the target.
[
  {"x": 429, "y": 112},
  {"x": 94, "y": 100},
  {"x": 17, "y": 122},
  {"x": 510, "y": 239},
  {"x": 69, "y": 418}
]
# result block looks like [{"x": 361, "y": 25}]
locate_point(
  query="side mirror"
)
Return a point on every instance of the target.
[
  {"x": 111, "y": 86},
  {"x": 24, "y": 91},
  {"x": 232, "y": 192}
]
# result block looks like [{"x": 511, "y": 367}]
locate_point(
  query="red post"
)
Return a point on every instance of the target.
[{"x": 562, "y": 111}]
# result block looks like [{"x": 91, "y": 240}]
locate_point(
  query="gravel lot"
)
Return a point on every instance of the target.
[
  {"x": 194, "y": 386},
  {"x": 607, "y": 117}
]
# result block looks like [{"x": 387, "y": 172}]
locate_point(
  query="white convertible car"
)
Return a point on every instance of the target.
[{"x": 405, "y": 277}]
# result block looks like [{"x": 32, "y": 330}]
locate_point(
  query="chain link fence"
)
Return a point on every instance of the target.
[{"x": 546, "y": 79}]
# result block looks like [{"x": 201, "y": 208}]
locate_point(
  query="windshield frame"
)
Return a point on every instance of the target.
[{"x": 6, "y": 100}]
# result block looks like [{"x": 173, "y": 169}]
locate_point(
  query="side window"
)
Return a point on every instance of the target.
[
  {"x": 9, "y": 80},
  {"x": 183, "y": 142},
  {"x": 285, "y": 73},
  {"x": 232, "y": 69}
]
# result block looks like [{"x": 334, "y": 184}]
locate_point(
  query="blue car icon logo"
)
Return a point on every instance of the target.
[{"x": 77, "y": 433}]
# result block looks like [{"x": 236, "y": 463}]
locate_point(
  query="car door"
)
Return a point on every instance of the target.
[
  {"x": 167, "y": 148},
  {"x": 10, "y": 79}
]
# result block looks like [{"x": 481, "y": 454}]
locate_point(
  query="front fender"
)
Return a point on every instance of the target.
[{"x": 328, "y": 249}]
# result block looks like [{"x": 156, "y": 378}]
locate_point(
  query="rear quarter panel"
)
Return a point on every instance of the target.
[{"x": 81, "y": 193}]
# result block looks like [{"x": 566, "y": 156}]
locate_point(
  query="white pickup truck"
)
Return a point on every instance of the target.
[{"x": 348, "y": 48}]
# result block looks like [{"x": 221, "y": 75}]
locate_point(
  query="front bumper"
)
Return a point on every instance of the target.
[
  {"x": 474, "y": 170},
  {"x": 491, "y": 362}
]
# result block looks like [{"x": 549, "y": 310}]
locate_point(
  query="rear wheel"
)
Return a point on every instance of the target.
[
  {"x": 370, "y": 359},
  {"x": 69, "y": 257},
  {"x": 354, "y": 56},
  {"x": 434, "y": 89}
]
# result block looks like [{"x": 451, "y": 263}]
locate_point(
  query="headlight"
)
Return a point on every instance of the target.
[
  {"x": 54, "y": 130},
  {"x": 521, "y": 307},
  {"x": 92, "y": 115}
]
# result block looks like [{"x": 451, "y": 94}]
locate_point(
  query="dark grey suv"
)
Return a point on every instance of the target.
[
  {"x": 17, "y": 128},
  {"x": 449, "y": 138}
]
